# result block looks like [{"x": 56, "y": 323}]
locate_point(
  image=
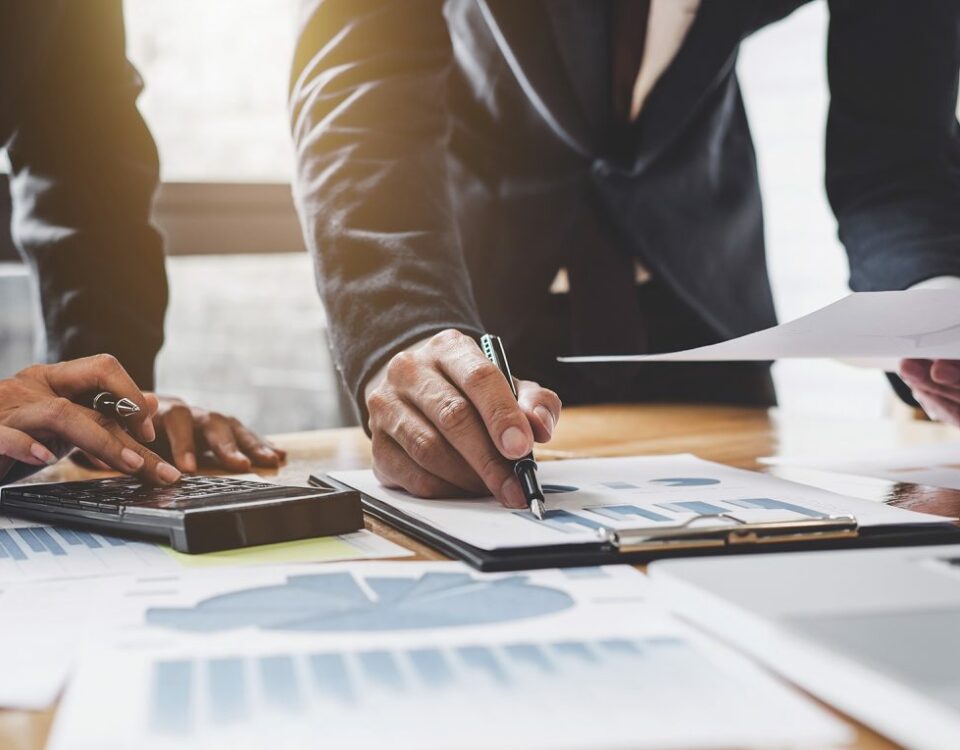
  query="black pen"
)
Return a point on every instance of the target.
[
  {"x": 114, "y": 406},
  {"x": 526, "y": 467}
]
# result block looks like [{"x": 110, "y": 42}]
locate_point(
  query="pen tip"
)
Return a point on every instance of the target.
[
  {"x": 538, "y": 508},
  {"x": 125, "y": 407}
]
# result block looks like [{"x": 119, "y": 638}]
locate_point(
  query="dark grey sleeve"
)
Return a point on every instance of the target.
[
  {"x": 893, "y": 141},
  {"x": 85, "y": 169},
  {"x": 370, "y": 127}
]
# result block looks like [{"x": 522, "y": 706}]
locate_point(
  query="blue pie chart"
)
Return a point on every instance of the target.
[
  {"x": 685, "y": 481},
  {"x": 332, "y": 602}
]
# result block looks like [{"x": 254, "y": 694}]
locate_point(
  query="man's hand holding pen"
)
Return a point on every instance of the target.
[{"x": 445, "y": 422}]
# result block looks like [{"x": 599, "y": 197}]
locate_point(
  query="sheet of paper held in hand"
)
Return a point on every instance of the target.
[
  {"x": 415, "y": 655},
  {"x": 584, "y": 495},
  {"x": 873, "y": 327}
]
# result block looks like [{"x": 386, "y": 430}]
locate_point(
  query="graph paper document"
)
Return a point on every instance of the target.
[
  {"x": 36, "y": 552},
  {"x": 876, "y": 327},
  {"x": 53, "y": 592},
  {"x": 427, "y": 655},
  {"x": 586, "y": 495}
]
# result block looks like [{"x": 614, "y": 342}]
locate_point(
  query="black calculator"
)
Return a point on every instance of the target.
[{"x": 198, "y": 514}]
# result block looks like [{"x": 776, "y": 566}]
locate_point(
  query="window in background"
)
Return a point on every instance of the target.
[
  {"x": 216, "y": 74},
  {"x": 245, "y": 333}
]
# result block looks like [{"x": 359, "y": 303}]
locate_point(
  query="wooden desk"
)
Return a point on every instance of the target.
[{"x": 730, "y": 435}]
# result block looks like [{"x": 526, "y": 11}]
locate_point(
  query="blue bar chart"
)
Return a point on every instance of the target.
[
  {"x": 766, "y": 503},
  {"x": 698, "y": 507},
  {"x": 666, "y": 513},
  {"x": 562, "y": 520},
  {"x": 189, "y": 695},
  {"x": 629, "y": 513},
  {"x": 42, "y": 552}
]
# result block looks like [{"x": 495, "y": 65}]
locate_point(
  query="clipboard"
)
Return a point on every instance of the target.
[{"x": 720, "y": 534}]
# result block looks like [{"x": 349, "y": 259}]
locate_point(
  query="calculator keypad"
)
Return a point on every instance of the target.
[{"x": 109, "y": 495}]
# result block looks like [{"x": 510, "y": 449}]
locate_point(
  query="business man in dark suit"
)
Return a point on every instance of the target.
[
  {"x": 455, "y": 156},
  {"x": 84, "y": 171}
]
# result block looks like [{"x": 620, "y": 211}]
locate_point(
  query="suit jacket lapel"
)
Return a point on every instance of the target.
[
  {"x": 525, "y": 34},
  {"x": 556, "y": 53},
  {"x": 707, "y": 56},
  {"x": 582, "y": 31}
]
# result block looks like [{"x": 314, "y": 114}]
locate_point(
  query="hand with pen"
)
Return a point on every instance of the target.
[
  {"x": 45, "y": 411},
  {"x": 40, "y": 419},
  {"x": 445, "y": 423}
]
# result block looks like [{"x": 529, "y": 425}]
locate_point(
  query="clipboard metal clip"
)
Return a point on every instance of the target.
[{"x": 723, "y": 529}]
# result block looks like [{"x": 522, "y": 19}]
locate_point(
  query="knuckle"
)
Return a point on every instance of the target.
[
  {"x": 481, "y": 376},
  {"x": 107, "y": 362},
  {"x": 552, "y": 396},
  {"x": 58, "y": 409},
  {"x": 378, "y": 402},
  {"x": 401, "y": 365},
  {"x": 31, "y": 372},
  {"x": 454, "y": 414},
  {"x": 423, "y": 447},
  {"x": 178, "y": 411},
  {"x": 447, "y": 339}
]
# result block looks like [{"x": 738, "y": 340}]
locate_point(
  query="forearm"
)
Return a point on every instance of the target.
[
  {"x": 370, "y": 128},
  {"x": 85, "y": 169},
  {"x": 893, "y": 142}
]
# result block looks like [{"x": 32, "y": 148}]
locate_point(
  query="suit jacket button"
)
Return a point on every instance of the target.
[{"x": 602, "y": 168}]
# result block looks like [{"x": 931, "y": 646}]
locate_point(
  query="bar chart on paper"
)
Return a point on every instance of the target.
[
  {"x": 638, "y": 692},
  {"x": 193, "y": 695},
  {"x": 46, "y": 552},
  {"x": 663, "y": 513},
  {"x": 588, "y": 497}
]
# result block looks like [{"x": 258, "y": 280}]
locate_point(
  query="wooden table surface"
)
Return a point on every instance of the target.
[{"x": 735, "y": 436}]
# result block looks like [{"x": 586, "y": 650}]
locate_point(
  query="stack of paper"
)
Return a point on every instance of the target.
[{"x": 408, "y": 655}]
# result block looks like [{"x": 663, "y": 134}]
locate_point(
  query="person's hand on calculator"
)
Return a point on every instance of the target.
[
  {"x": 41, "y": 419},
  {"x": 191, "y": 432}
]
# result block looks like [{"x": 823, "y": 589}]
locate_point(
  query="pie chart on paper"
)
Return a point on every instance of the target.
[{"x": 331, "y": 602}]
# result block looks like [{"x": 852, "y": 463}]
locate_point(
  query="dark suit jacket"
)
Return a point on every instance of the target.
[
  {"x": 84, "y": 172},
  {"x": 453, "y": 155}
]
